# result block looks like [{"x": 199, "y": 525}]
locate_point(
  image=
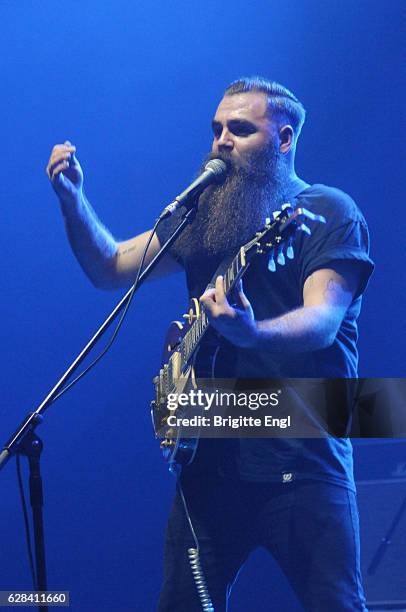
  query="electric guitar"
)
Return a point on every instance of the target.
[{"x": 183, "y": 340}]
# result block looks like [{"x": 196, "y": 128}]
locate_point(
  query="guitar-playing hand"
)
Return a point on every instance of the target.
[{"x": 236, "y": 324}]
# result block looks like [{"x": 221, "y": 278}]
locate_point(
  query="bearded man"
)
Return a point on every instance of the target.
[{"x": 295, "y": 497}]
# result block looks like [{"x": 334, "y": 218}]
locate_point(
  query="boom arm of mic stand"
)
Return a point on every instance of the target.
[{"x": 34, "y": 418}]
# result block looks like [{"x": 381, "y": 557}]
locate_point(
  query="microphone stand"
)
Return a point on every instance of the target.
[{"x": 24, "y": 440}]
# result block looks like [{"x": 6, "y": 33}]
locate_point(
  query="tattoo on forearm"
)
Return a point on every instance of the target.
[{"x": 126, "y": 251}]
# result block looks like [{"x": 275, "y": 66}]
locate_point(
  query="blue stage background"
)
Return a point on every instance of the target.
[{"x": 134, "y": 86}]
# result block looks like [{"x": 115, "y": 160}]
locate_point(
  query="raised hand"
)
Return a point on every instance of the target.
[{"x": 64, "y": 171}]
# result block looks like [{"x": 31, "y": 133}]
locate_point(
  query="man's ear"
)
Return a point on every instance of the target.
[{"x": 286, "y": 134}]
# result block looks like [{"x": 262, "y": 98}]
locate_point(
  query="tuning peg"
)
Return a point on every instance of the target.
[
  {"x": 286, "y": 206},
  {"x": 290, "y": 254},
  {"x": 276, "y": 214},
  {"x": 267, "y": 220},
  {"x": 271, "y": 263},
  {"x": 303, "y": 228},
  {"x": 280, "y": 257}
]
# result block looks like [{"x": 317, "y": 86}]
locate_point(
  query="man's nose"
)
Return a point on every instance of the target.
[{"x": 225, "y": 141}]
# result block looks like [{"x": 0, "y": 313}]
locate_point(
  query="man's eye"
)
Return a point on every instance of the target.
[{"x": 243, "y": 130}]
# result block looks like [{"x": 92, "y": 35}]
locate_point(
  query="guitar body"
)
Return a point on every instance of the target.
[{"x": 175, "y": 379}]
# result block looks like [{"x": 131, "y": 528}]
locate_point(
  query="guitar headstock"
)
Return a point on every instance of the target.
[{"x": 277, "y": 236}]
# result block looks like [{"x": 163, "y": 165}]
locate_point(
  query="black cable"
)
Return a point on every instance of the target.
[
  {"x": 26, "y": 521},
  {"x": 120, "y": 321}
]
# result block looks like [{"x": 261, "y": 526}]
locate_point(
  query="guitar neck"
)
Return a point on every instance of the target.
[{"x": 194, "y": 335}]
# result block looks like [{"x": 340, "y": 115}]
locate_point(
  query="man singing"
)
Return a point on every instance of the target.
[{"x": 295, "y": 497}]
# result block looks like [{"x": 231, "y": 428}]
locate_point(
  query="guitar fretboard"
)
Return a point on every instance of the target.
[{"x": 192, "y": 337}]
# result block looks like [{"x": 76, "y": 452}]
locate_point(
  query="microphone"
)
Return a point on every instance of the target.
[{"x": 214, "y": 172}]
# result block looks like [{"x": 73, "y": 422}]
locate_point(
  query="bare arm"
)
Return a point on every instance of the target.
[
  {"x": 314, "y": 326},
  {"x": 108, "y": 263},
  {"x": 326, "y": 296}
]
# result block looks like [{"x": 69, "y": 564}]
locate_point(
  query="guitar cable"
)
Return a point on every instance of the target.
[{"x": 194, "y": 560}]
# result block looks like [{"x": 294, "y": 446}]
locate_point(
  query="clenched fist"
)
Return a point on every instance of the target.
[{"x": 64, "y": 172}]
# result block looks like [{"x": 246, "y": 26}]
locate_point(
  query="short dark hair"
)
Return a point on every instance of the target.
[{"x": 281, "y": 101}]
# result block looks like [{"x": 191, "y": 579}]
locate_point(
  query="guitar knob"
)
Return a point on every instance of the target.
[{"x": 167, "y": 443}]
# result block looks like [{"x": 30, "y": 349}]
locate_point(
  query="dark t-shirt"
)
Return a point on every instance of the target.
[{"x": 344, "y": 238}]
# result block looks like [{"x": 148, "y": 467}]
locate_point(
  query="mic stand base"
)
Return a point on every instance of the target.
[{"x": 31, "y": 446}]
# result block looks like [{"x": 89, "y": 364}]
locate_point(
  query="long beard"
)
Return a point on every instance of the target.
[{"x": 228, "y": 215}]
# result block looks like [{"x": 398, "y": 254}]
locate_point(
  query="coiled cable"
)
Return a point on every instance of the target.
[{"x": 194, "y": 560}]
